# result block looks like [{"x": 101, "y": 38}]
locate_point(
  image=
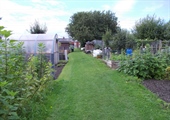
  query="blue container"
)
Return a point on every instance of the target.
[{"x": 129, "y": 52}]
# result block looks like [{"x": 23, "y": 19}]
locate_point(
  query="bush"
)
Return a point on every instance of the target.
[
  {"x": 145, "y": 66},
  {"x": 167, "y": 74},
  {"x": 119, "y": 57},
  {"x": 21, "y": 82}
]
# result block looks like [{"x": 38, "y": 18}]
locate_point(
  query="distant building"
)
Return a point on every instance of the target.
[
  {"x": 98, "y": 44},
  {"x": 89, "y": 47},
  {"x": 76, "y": 44},
  {"x": 64, "y": 44}
]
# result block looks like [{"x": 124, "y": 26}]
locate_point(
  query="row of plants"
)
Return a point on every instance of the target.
[
  {"x": 22, "y": 80},
  {"x": 146, "y": 65}
]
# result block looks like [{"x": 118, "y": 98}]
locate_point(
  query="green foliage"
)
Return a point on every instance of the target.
[
  {"x": 62, "y": 63},
  {"x": 41, "y": 60},
  {"x": 87, "y": 86},
  {"x": 149, "y": 27},
  {"x": 119, "y": 57},
  {"x": 37, "y": 28},
  {"x": 123, "y": 40},
  {"x": 85, "y": 26},
  {"x": 167, "y": 31},
  {"x": 167, "y": 70},
  {"x": 20, "y": 82},
  {"x": 107, "y": 37},
  {"x": 145, "y": 66},
  {"x": 143, "y": 42}
]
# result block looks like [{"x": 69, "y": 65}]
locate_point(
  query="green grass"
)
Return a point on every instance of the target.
[{"x": 88, "y": 90}]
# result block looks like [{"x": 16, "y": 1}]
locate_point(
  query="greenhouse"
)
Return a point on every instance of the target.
[{"x": 31, "y": 42}]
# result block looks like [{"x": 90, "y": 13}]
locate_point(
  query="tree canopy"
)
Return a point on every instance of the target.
[
  {"x": 167, "y": 31},
  {"x": 107, "y": 37},
  {"x": 37, "y": 28},
  {"x": 123, "y": 39},
  {"x": 87, "y": 26},
  {"x": 149, "y": 28}
]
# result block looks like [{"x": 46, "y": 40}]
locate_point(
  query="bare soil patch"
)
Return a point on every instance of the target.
[
  {"x": 160, "y": 87},
  {"x": 58, "y": 69}
]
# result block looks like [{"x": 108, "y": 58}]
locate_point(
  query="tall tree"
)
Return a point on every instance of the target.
[
  {"x": 107, "y": 37},
  {"x": 167, "y": 31},
  {"x": 37, "y": 28},
  {"x": 149, "y": 28},
  {"x": 123, "y": 40},
  {"x": 86, "y": 26}
]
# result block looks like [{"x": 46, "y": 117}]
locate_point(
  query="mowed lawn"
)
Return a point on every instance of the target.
[{"x": 88, "y": 90}]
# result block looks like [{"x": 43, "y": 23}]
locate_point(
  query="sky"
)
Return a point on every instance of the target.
[{"x": 18, "y": 15}]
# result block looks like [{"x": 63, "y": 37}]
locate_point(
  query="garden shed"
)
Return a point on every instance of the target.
[
  {"x": 89, "y": 46},
  {"x": 64, "y": 44},
  {"x": 31, "y": 42},
  {"x": 98, "y": 44}
]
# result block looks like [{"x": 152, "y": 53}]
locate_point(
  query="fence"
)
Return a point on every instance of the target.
[{"x": 155, "y": 46}]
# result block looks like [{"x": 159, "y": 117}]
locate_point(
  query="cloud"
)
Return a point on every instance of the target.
[
  {"x": 36, "y": 1},
  {"x": 127, "y": 23},
  {"x": 18, "y": 18},
  {"x": 106, "y": 7},
  {"x": 123, "y": 6},
  {"x": 152, "y": 8}
]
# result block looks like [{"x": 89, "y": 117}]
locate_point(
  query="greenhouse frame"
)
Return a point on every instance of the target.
[{"x": 31, "y": 41}]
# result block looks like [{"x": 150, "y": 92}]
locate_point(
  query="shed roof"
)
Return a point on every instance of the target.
[
  {"x": 89, "y": 43},
  {"x": 65, "y": 40}
]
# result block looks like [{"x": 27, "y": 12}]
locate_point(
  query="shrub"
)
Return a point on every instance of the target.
[
  {"x": 145, "y": 66},
  {"x": 21, "y": 82},
  {"x": 167, "y": 74},
  {"x": 119, "y": 57}
]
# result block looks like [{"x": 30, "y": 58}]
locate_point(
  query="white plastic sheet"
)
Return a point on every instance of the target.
[{"x": 97, "y": 52}]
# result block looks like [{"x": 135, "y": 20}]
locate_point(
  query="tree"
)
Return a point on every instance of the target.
[
  {"x": 107, "y": 37},
  {"x": 149, "y": 28},
  {"x": 123, "y": 40},
  {"x": 87, "y": 26},
  {"x": 37, "y": 28},
  {"x": 167, "y": 31}
]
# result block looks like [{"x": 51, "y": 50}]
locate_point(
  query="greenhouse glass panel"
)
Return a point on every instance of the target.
[
  {"x": 31, "y": 42},
  {"x": 28, "y": 37},
  {"x": 46, "y": 37},
  {"x": 29, "y": 46},
  {"x": 48, "y": 46}
]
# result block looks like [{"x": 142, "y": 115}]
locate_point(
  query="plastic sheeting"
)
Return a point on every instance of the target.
[
  {"x": 97, "y": 52},
  {"x": 31, "y": 42}
]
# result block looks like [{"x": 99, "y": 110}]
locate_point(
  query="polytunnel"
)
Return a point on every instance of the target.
[{"x": 31, "y": 42}]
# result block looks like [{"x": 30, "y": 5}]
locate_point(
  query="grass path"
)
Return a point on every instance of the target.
[{"x": 88, "y": 90}]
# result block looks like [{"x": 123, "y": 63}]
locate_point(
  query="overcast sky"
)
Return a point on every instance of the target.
[{"x": 18, "y": 15}]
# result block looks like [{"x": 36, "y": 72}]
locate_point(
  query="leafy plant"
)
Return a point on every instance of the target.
[
  {"x": 21, "y": 82},
  {"x": 11, "y": 69},
  {"x": 120, "y": 57},
  {"x": 144, "y": 66},
  {"x": 167, "y": 72}
]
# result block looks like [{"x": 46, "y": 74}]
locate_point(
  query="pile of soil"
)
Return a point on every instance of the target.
[{"x": 159, "y": 87}]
